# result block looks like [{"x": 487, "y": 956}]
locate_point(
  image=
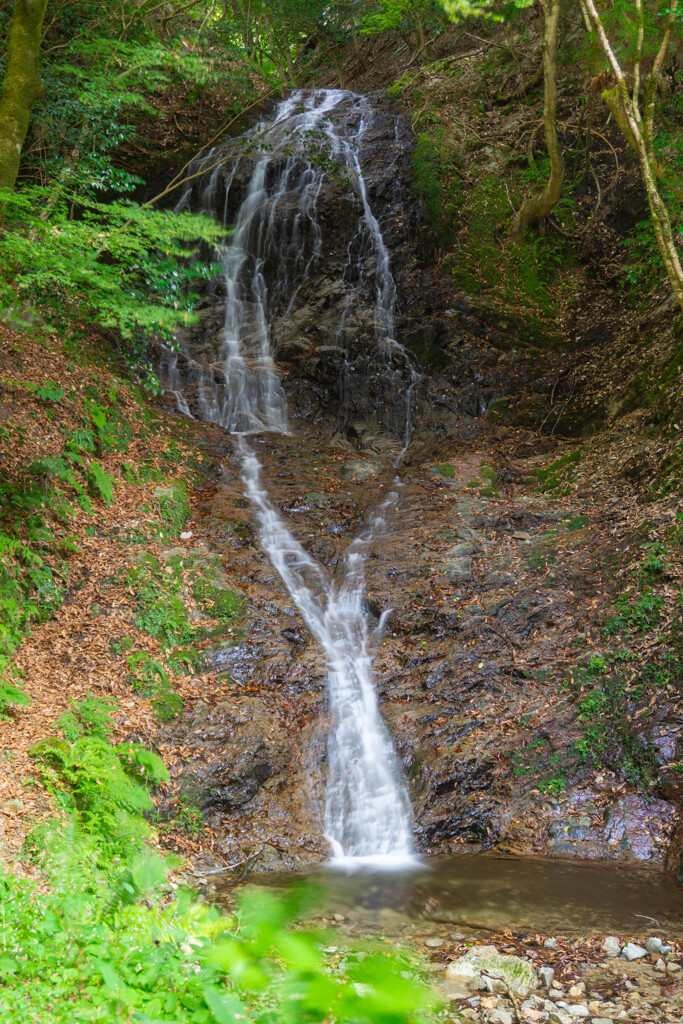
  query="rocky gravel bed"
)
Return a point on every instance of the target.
[{"x": 546, "y": 980}]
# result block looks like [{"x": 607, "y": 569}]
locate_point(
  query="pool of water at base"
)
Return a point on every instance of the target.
[{"x": 491, "y": 892}]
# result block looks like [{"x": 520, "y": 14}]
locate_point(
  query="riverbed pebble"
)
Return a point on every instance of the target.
[
  {"x": 550, "y": 943},
  {"x": 547, "y": 974},
  {"x": 611, "y": 945},
  {"x": 633, "y": 952},
  {"x": 434, "y": 942},
  {"x": 559, "y": 1017},
  {"x": 500, "y": 1017},
  {"x": 655, "y": 945}
]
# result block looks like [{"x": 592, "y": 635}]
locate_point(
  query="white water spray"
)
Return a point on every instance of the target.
[{"x": 367, "y": 813}]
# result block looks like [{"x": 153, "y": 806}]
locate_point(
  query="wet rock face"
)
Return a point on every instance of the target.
[
  {"x": 322, "y": 328},
  {"x": 485, "y": 587},
  {"x": 318, "y": 264}
]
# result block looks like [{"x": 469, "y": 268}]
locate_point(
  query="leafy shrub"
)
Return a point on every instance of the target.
[
  {"x": 635, "y": 613},
  {"x": 103, "y": 786},
  {"x": 149, "y": 677},
  {"x": 101, "y": 483},
  {"x": 47, "y": 392},
  {"x": 10, "y": 695},
  {"x": 88, "y": 717},
  {"x": 108, "y": 946},
  {"x": 118, "y": 263}
]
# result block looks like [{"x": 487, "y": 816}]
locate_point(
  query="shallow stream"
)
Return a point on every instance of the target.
[{"x": 490, "y": 892}]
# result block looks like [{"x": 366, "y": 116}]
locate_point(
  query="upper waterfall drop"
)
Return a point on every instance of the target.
[{"x": 236, "y": 384}]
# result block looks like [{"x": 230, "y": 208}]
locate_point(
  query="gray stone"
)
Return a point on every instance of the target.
[
  {"x": 464, "y": 549},
  {"x": 579, "y": 1010},
  {"x": 170, "y": 553},
  {"x": 466, "y": 973},
  {"x": 550, "y": 944},
  {"x": 611, "y": 946},
  {"x": 633, "y": 952},
  {"x": 559, "y": 1017},
  {"x": 602, "y": 1020},
  {"x": 459, "y": 570},
  {"x": 434, "y": 942},
  {"x": 500, "y": 1017},
  {"x": 547, "y": 974},
  {"x": 358, "y": 469},
  {"x": 660, "y": 966},
  {"x": 655, "y": 945}
]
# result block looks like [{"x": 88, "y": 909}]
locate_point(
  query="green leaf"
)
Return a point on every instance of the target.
[
  {"x": 8, "y": 966},
  {"x": 101, "y": 483},
  {"x": 225, "y": 1007}
]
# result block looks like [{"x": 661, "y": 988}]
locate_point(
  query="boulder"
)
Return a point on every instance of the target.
[{"x": 470, "y": 973}]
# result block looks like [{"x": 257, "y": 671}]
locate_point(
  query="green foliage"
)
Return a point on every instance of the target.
[
  {"x": 149, "y": 677},
  {"x": 403, "y": 16},
  {"x": 180, "y": 817},
  {"x": 184, "y": 660},
  {"x": 103, "y": 786},
  {"x": 556, "y": 478},
  {"x": 107, "y": 945},
  {"x": 578, "y": 523},
  {"x": 118, "y": 264},
  {"x": 11, "y": 695},
  {"x": 609, "y": 740},
  {"x": 101, "y": 483},
  {"x": 174, "y": 507},
  {"x": 656, "y": 561},
  {"x": 637, "y": 613},
  {"x": 28, "y": 594},
  {"x": 433, "y": 164},
  {"x": 214, "y": 598},
  {"x": 47, "y": 392},
  {"x": 88, "y": 717},
  {"x": 165, "y": 620}
]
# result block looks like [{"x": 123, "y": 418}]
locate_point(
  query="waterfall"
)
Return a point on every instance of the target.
[{"x": 367, "y": 813}]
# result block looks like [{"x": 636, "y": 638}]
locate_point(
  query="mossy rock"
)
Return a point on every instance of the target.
[
  {"x": 498, "y": 410},
  {"x": 507, "y": 972},
  {"x": 49, "y": 749}
]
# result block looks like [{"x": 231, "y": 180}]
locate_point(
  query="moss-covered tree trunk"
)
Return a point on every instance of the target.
[
  {"x": 540, "y": 206},
  {"x": 21, "y": 85}
]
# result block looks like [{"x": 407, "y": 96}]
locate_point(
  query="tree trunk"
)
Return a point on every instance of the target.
[
  {"x": 536, "y": 209},
  {"x": 639, "y": 131},
  {"x": 21, "y": 85}
]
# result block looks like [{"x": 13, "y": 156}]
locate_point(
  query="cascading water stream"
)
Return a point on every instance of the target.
[{"x": 367, "y": 815}]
